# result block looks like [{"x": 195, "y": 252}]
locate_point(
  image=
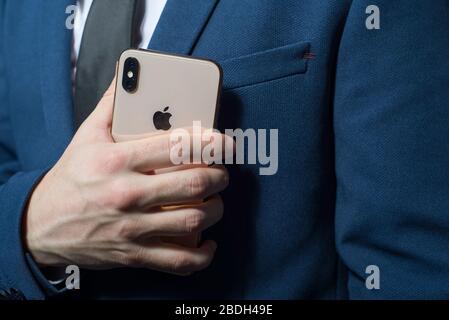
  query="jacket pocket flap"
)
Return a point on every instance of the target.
[{"x": 266, "y": 65}]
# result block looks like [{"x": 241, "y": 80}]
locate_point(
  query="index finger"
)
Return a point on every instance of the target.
[{"x": 159, "y": 151}]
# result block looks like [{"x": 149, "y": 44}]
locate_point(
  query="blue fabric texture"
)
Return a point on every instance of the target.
[{"x": 363, "y": 118}]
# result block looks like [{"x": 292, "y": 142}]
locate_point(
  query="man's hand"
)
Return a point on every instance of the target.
[{"x": 102, "y": 206}]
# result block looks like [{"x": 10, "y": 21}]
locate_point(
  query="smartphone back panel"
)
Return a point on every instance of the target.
[{"x": 172, "y": 92}]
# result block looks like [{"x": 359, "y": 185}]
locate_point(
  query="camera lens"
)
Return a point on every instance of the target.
[{"x": 130, "y": 75}]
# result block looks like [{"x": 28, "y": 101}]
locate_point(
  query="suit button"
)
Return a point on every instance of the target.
[{"x": 11, "y": 294}]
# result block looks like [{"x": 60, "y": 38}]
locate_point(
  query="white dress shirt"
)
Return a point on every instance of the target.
[{"x": 151, "y": 16}]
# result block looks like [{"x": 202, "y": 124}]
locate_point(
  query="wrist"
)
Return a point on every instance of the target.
[{"x": 30, "y": 224}]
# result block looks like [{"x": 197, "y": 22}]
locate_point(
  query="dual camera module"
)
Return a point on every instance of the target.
[{"x": 131, "y": 75}]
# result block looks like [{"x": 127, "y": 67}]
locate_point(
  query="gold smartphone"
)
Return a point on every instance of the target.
[{"x": 157, "y": 92}]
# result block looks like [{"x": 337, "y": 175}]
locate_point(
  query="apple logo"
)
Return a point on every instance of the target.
[{"x": 161, "y": 120}]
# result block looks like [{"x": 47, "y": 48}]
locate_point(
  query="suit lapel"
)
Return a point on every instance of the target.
[
  {"x": 181, "y": 24},
  {"x": 54, "y": 43}
]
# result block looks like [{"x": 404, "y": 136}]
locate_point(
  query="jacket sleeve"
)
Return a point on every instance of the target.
[
  {"x": 15, "y": 187},
  {"x": 391, "y": 122}
]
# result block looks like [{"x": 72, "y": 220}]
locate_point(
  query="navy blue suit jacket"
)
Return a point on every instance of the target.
[{"x": 363, "y": 145}]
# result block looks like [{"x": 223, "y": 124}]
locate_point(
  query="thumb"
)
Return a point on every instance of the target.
[
  {"x": 97, "y": 127},
  {"x": 101, "y": 117}
]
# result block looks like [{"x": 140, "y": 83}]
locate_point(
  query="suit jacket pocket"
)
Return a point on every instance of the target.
[{"x": 265, "y": 66}]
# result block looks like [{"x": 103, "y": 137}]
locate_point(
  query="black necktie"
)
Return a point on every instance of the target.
[{"x": 107, "y": 33}]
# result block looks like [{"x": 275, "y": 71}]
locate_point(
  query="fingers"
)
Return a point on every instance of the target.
[
  {"x": 140, "y": 193},
  {"x": 158, "y": 151},
  {"x": 173, "y": 221},
  {"x": 180, "y": 168},
  {"x": 174, "y": 259},
  {"x": 186, "y": 186}
]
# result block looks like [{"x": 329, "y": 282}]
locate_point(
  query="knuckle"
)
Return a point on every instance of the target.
[
  {"x": 113, "y": 160},
  {"x": 127, "y": 229},
  {"x": 194, "y": 221},
  {"x": 198, "y": 184},
  {"x": 183, "y": 264},
  {"x": 135, "y": 258},
  {"x": 122, "y": 194}
]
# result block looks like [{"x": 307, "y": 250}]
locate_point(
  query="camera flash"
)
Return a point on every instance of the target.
[{"x": 130, "y": 74}]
